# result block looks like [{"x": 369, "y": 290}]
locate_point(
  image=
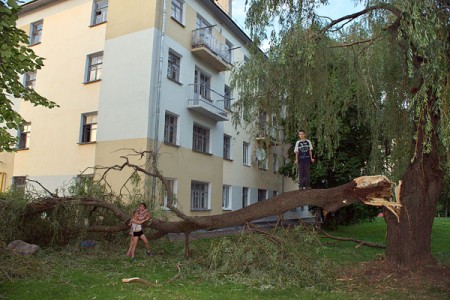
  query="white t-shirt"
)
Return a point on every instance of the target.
[
  {"x": 136, "y": 227},
  {"x": 303, "y": 149}
]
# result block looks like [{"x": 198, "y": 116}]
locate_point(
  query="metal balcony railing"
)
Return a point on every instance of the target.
[
  {"x": 203, "y": 38},
  {"x": 208, "y": 102}
]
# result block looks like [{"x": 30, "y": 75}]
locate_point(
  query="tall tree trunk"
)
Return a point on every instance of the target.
[{"x": 409, "y": 238}]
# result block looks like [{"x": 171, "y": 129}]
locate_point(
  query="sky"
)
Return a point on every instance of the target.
[{"x": 336, "y": 9}]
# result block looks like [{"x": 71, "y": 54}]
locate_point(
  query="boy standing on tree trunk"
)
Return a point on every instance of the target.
[{"x": 303, "y": 157}]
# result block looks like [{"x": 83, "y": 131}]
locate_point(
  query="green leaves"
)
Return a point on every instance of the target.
[{"x": 390, "y": 64}]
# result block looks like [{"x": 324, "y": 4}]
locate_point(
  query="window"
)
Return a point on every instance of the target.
[
  {"x": 173, "y": 188},
  {"x": 202, "y": 84},
  {"x": 245, "y": 153},
  {"x": 173, "y": 68},
  {"x": 262, "y": 164},
  {"x": 170, "y": 129},
  {"x": 226, "y": 203},
  {"x": 230, "y": 46},
  {"x": 94, "y": 67},
  {"x": 261, "y": 158},
  {"x": 262, "y": 195},
  {"x": 227, "y": 98},
  {"x": 227, "y": 146},
  {"x": 177, "y": 10},
  {"x": 99, "y": 12},
  {"x": 199, "y": 195},
  {"x": 275, "y": 163},
  {"x": 202, "y": 23},
  {"x": 24, "y": 136},
  {"x": 29, "y": 80},
  {"x": 263, "y": 125},
  {"x": 36, "y": 32},
  {"x": 244, "y": 196},
  {"x": 19, "y": 182},
  {"x": 89, "y": 128},
  {"x": 200, "y": 139}
]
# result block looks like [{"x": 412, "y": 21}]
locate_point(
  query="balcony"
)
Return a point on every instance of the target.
[
  {"x": 207, "y": 102},
  {"x": 208, "y": 48}
]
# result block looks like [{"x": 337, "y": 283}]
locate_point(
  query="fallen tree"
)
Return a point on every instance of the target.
[{"x": 370, "y": 190}]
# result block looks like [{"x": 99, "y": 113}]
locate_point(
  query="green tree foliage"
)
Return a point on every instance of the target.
[
  {"x": 331, "y": 169},
  {"x": 15, "y": 59},
  {"x": 282, "y": 259},
  {"x": 443, "y": 209},
  {"x": 390, "y": 61},
  {"x": 315, "y": 71}
]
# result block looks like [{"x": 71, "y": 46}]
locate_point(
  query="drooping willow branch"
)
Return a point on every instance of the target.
[{"x": 384, "y": 6}]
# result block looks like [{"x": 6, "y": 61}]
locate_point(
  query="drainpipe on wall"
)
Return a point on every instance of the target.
[{"x": 158, "y": 97}]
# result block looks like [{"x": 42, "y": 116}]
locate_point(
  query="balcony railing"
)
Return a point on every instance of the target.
[
  {"x": 207, "y": 47},
  {"x": 207, "y": 102}
]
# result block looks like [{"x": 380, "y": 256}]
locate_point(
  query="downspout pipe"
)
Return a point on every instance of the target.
[{"x": 158, "y": 96}]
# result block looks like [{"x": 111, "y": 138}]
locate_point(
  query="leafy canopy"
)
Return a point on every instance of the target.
[
  {"x": 15, "y": 59},
  {"x": 390, "y": 62}
]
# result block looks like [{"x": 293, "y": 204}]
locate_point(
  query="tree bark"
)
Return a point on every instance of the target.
[
  {"x": 372, "y": 190},
  {"x": 409, "y": 238}
]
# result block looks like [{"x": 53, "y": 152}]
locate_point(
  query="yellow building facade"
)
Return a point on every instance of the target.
[{"x": 141, "y": 75}]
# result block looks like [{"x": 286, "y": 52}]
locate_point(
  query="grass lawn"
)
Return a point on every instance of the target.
[{"x": 73, "y": 274}]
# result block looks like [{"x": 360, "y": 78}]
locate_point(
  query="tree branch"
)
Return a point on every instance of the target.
[
  {"x": 359, "y": 242},
  {"x": 384, "y": 6},
  {"x": 352, "y": 44},
  {"x": 43, "y": 187}
]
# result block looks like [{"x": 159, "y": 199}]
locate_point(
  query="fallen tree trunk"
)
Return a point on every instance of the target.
[{"x": 371, "y": 190}]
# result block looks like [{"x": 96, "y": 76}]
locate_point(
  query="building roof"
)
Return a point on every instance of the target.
[{"x": 209, "y": 4}]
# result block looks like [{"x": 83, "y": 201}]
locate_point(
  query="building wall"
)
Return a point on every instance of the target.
[
  {"x": 225, "y": 5},
  {"x": 67, "y": 39},
  {"x": 126, "y": 101}
]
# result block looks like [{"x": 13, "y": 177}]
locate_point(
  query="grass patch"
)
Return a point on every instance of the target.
[
  {"x": 348, "y": 253},
  {"x": 69, "y": 273}
]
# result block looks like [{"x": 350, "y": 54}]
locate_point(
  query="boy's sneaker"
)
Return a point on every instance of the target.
[
  {"x": 149, "y": 253},
  {"x": 132, "y": 259}
]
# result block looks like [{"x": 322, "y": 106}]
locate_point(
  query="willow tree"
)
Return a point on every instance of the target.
[{"x": 390, "y": 60}]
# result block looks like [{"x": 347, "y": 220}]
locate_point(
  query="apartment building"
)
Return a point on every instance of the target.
[{"x": 141, "y": 75}]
